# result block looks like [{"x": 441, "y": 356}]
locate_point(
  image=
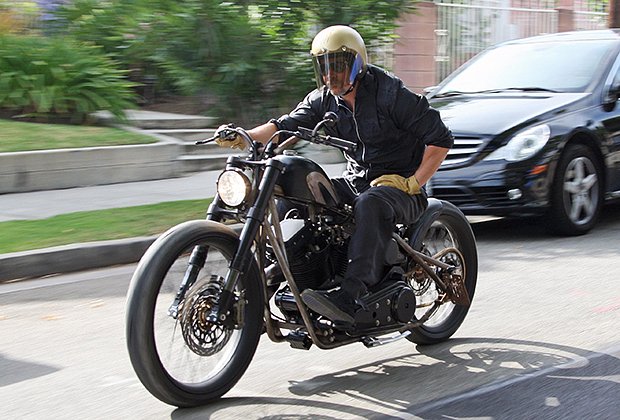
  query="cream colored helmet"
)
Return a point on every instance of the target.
[{"x": 338, "y": 49}]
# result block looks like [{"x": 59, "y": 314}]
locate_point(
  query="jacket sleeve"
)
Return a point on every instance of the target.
[
  {"x": 306, "y": 114},
  {"x": 413, "y": 113}
]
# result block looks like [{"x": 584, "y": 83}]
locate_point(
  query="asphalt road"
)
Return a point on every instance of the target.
[{"x": 541, "y": 341}]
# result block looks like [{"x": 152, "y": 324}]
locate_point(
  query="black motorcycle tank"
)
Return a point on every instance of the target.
[{"x": 304, "y": 180}]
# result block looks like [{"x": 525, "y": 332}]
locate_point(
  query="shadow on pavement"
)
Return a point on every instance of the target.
[
  {"x": 465, "y": 378},
  {"x": 14, "y": 371}
]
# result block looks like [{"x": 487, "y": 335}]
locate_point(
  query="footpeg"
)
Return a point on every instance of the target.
[
  {"x": 380, "y": 341},
  {"x": 299, "y": 340}
]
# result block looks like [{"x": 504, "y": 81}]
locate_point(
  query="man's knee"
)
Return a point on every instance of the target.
[{"x": 371, "y": 204}]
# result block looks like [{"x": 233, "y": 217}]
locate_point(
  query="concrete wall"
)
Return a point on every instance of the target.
[{"x": 68, "y": 168}]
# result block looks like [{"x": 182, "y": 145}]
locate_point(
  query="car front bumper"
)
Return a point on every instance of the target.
[{"x": 493, "y": 188}]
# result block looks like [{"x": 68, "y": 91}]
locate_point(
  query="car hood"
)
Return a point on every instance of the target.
[{"x": 492, "y": 114}]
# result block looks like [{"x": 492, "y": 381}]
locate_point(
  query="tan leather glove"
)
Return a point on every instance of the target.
[
  {"x": 409, "y": 185},
  {"x": 232, "y": 140}
]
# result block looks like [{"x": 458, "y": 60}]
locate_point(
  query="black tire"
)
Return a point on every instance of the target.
[
  {"x": 159, "y": 344},
  {"x": 577, "y": 192},
  {"x": 449, "y": 229}
]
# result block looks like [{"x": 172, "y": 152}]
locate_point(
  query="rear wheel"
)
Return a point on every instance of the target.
[
  {"x": 577, "y": 195},
  {"x": 180, "y": 355},
  {"x": 450, "y": 239}
]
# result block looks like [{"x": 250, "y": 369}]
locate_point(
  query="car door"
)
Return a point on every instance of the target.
[{"x": 611, "y": 122}]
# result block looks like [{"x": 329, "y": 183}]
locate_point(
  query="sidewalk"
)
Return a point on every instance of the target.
[{"x": 76, "y": 257}]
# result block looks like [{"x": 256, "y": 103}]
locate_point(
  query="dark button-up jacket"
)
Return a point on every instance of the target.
[{"x": 391, "y": 126}]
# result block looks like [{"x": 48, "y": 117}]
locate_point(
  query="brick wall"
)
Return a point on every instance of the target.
[{"x": 414, "y": 52}]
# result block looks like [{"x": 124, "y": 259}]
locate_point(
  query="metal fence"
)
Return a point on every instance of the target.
[
  {"x": 466, "y": 27},
  {"x": 590, "y": 20}
]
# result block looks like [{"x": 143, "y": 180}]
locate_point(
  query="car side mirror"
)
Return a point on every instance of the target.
[
  {"x": 427, "y": 90},
  {"x": 613, "y": 94}
]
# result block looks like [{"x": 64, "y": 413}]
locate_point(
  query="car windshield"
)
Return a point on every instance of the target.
[{"x": 548, "y": 66}]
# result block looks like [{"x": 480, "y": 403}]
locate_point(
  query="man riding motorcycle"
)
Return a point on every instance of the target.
[{"x": 401, "y": 143}]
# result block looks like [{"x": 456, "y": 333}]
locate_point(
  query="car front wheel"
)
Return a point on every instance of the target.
[{"x": 577, "y": 192}]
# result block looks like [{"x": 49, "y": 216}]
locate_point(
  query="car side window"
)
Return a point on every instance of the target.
[
  {"x": 615, "y": 85},
  {"x": 612, "y": 88}
]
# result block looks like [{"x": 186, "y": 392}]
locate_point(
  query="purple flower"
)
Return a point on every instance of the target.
[{"x": 49, "y": 7}]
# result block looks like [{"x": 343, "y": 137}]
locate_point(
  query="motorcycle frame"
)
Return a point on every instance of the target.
[{"x": 263, "y": 225}]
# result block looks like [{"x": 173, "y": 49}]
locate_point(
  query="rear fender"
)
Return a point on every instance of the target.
[{"x": 419, "y": 228}]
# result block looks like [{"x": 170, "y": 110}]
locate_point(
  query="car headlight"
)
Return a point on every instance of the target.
[
  {"x": 523, "y": 145},
  {"x": 233, "y": 187}
]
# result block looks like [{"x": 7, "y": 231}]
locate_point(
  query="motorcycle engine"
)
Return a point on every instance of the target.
[{"x": 313, "y": 256}]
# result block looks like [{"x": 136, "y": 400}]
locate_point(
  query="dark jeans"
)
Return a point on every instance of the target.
[{"x": 377, "y": 210}]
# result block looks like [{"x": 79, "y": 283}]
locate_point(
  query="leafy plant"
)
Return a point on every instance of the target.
[
  {"x": 251, "y": 55},
  {"x": 59, "y": 79}
]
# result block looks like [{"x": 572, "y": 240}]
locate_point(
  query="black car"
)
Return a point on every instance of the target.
[{"x": 536, "y": 123}]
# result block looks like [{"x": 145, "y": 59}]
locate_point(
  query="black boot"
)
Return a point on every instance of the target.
[{"x": 337, "y": 305}]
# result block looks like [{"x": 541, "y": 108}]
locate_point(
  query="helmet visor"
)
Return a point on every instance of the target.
[{"x": 336, "y": 70}]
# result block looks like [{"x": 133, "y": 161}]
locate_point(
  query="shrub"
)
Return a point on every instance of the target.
[
  {"x": 251, "y": 56},
  {"x": 59, "y": 79},
  {"x": 189, "y": 47}
]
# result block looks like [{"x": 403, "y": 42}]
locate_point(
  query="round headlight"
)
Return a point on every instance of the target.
[{"x": 233, "y": 187}]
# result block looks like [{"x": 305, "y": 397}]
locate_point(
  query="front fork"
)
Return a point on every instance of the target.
[
  {"x": 196, "y": 261},
  {"x": 221, "y": 313}
]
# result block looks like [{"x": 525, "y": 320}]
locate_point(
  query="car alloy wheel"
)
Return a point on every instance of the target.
[{"x": 577, "y": 192}]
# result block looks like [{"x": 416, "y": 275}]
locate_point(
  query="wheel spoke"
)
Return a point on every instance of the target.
[
  {"x": 588, "y": 206},
  {"x": 579, "y": 169},
  {"x": 589, "y": 182},
  {"x": 575, "y": 209},
  {"x": 571, "y": 187}
]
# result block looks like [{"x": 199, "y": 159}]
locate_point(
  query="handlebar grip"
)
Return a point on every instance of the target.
[
  {"x": 205, "y": 141},
  {"x": 349, "y": 146}
]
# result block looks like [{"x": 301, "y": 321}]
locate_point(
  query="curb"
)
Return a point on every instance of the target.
[{"x": 73, "y": 257}]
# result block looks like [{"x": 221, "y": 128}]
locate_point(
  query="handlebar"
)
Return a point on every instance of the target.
[
  {"x": 311, "y": 136},
  {"x": 302, "y": 133},
  {"x": 205, "y": 141},
  {"x": 346, "y": 145}
]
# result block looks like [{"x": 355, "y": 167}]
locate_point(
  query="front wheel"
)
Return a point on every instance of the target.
[
  {"x": 180, "y": 355},
  {"x": 577, "y": 195},
  {"x": 448, "y": 232}
]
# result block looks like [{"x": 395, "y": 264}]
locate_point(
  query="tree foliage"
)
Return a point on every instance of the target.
[{"x": 252, "y": 55}]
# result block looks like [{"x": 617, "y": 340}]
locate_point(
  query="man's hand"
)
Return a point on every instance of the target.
[
  {"x": 409, "y": 185},
  {"x": 229, "y": 138}
]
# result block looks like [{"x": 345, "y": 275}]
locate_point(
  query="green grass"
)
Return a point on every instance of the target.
[
  {"x": 98, "y": 225},
  {"x": 22, "y": 136}
]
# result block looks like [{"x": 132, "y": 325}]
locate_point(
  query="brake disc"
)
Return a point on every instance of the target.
[{"x": 202, "y": 336}]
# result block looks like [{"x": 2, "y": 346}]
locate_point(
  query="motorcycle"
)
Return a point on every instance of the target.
[{"x": 206, "y": 290}]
